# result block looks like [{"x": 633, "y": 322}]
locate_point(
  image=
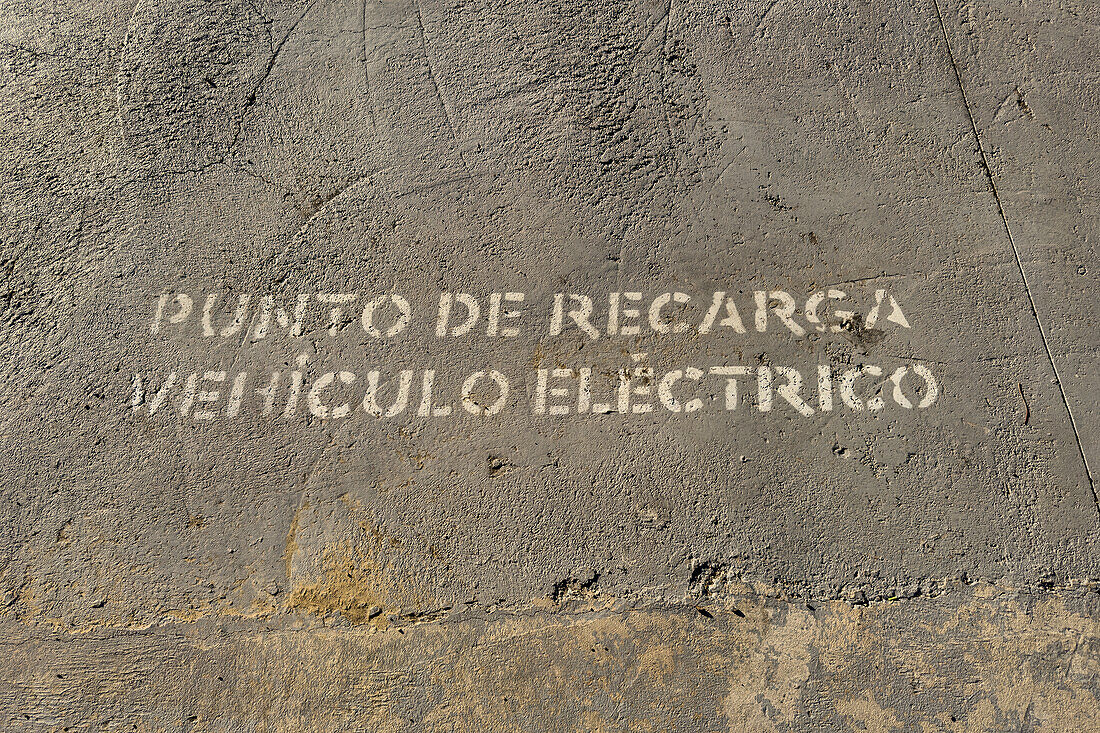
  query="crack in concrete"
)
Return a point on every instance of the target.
[
  {"x": 251, "y": 101},
  {"x": 1016, "y": 255},
  {"x": 240, "y": 119},
  {"x": 764, "y": 17},
  {"x": 423, "y": 37}
]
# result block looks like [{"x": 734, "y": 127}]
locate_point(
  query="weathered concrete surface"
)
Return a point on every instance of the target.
[
  {"x": 976, "y": 660},
  {"x": 520, "y": 571}
]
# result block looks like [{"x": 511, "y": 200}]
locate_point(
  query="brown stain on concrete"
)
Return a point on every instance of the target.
[
  {"x": 347, "y": 567},
  {"x": 353, "y": 585}
]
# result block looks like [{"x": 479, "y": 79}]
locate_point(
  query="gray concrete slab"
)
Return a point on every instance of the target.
[{"x": 779, "y": 306}]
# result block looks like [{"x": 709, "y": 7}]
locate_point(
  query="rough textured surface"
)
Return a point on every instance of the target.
[{"x": 291, "y": 568}]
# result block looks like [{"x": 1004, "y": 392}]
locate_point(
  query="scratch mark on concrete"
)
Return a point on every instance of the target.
[
  {"x": 764, "y": 17},
  {"x": 868, "y": 278},
  {"x": 1016, "y": 255},
  {"x": 350, "y": 186},
  {"x": 435, "y": 83},
  {"x": 278, "y": 49},
  {"x": 445, "y": 182}
]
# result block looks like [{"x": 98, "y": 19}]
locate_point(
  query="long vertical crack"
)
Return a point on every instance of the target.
[{"x": 1016, "y": 255}]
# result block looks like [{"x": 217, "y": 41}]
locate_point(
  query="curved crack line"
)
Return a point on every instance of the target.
[
  {"x": 435, "y": 85},
  {"x": 238, "y": 121},
  {"x": 251, "y": 101},
  {"x": 1016, "y": 255}
]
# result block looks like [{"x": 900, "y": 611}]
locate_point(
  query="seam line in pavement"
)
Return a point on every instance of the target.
[{"x": 1016, "y": 255}]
